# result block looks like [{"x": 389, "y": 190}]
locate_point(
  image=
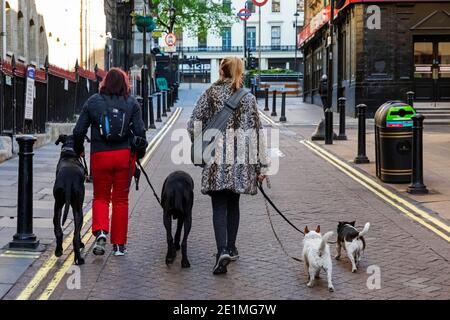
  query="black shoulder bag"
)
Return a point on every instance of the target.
[{"x": 218, "y": 123}]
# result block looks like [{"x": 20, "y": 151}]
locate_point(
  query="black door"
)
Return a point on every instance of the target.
[{"x": 432, "y": 68}]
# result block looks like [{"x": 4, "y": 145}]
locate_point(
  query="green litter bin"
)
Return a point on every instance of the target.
[{"x": 393, "y": 142}]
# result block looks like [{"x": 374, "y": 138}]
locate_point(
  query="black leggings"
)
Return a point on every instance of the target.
[{"x": 225, "y": 205}]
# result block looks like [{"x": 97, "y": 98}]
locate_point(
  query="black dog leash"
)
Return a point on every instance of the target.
[
  {"x": 260, "y": 187},
  {"x": 148, "y": 181},
  {"x": 267, "y": 199}
]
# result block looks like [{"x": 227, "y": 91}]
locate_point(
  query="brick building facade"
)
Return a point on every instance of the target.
[{"x": 382, "y": 49}]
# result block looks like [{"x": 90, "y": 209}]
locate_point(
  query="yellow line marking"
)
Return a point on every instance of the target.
[
  {"x": 389, "y": 197},
  {"x": 51, "y": 261},
  {"x": 267, "y": 118}
]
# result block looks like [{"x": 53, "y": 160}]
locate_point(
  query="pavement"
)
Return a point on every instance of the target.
[{"x": 403, "y": 258}]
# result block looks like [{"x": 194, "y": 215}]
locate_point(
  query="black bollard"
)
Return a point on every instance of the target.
[
  {"x": 252, "y": 89},
  {"x": 283, "y": 107},
  {"x": 151, "y": 112},
  {"x": 341, "y": 109},
  {"x": 169, "y": 100},
  {"x": 266, "y": 99},
  {"x": 328, "y": 126},
  {"x": 256, "y": 91},
  {"x": 274, "y": 104},
  {"x": 158, "y": 107},
  {"x": 417, "y": 186},
  {"x": 25, "y": 238},
  {"x": 410, "y": 98},
  {"x": 361, "y": 157},
  {"x": 164, "y": 103}
]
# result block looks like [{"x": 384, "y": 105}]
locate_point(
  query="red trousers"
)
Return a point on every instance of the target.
[{"x": 111, "y": 179}]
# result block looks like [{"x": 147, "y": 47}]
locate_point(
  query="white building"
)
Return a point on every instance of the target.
[{"x": 278, "y": 38}]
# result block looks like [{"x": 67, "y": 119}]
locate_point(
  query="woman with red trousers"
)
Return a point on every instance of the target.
[{"x": 116, "y": 124}]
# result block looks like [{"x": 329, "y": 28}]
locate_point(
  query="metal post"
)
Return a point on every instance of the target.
[
  {"x": 283, "y": 107},
  {"x": 24, "y": 238},
  {"x": 144, "y": 72},
  {"x": 14, "y": 95},
  {"x": 47, "y": 87},
  {"x": 361, "y": 157},
  {"x": 341, "y": 109},
  {"x": 330, "y": 59},
  {"x": 266, "y": 99},
  {"x": 158, "y": 107},
  {"x": 259, "y": 45},
  {"x": 164, "y": 103},
  {"x": 256, "y": 91},
  {"x": 410, "y": 98},
  {"x": 417, "y": 186},
  {"x": 151, "y": 112},
  {"x": 274, "y": 104},
  {"x": 77, "y": 79},
  {"x": 296, "y": 40},
  {"x": 328, "y": 126},
  {"x": 169, "y": 99}
]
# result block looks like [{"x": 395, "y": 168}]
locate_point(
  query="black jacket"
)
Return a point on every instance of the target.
[{"x": 90, "y": 117}]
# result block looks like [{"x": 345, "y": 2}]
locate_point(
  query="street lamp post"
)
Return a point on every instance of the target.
[
  {"x": 296, "y": 15},
  {"x": 144, "y": 72}
]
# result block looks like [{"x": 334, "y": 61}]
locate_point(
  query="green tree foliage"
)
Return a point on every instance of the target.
[{"x": 193, "y": 16}]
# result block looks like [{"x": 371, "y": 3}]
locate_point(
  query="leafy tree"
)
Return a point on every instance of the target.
[{"x": 193, "y": 16}]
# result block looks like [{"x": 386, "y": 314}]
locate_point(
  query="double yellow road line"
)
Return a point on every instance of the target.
[
  {"x": 409, "y": 209},
  {"x": 49, "y": 264}
]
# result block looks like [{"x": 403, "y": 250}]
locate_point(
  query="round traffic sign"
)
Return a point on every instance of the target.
[
  {"x": 171, "y": 39},
  {"x": 244, "y": 14},
  {"x": 259, "y": 3}
]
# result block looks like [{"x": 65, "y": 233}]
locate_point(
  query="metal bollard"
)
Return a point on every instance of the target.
[
  {"x": 361, "y": 157},
  {"x": 410, "y": 98},
  {"x": 266, "y": 99},
  {"x": 158, "y": 107},
  {"x": 252, "y": 89},
  {"x": 256, "y": 91},
  {"x": 164, "y": 103},
  {"x": 168, "y": 100},
  {"x": 274, "y": 104},
  {"x": 341, "y": 109},
  {"x": 283, "y": 107},
  {"x": 417, "y": 186},
  {"x": 151, "y": 113},
  {"x": 328, "y": 126},
  {"x": 25, "y": 238}
]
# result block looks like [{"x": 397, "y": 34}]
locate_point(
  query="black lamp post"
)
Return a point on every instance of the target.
[{"x": 296, "y": 15}]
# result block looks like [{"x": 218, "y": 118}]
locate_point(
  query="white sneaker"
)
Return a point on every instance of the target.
[{"x": 119, "y": 250}]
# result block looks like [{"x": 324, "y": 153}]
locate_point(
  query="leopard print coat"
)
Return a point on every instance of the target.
[{"x": 240, "y": 174}]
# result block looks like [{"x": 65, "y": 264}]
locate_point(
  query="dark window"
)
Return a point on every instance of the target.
[
  {"x": 202, "y": 41},
  {"x": 276, "y": 5},
  {"x": 251, "y": 38},
  {"x": 227, "y": 4},
  {"x": 226, "y": 39},
  {"x": 276, "y": 37},
  {"x": 251, "y": 6}
]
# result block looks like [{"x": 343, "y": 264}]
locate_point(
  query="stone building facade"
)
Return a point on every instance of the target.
[{"x": 65, "y": 31}]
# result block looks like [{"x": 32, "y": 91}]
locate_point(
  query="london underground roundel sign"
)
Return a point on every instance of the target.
[
  {"x": 259, "y": 3},
  {"x": 244, "y": 14}
]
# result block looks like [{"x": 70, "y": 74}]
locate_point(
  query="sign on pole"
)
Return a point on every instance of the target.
[
  {"x": 171, "y": 39},
  {"x": 244, "y": 14},
  {"x": 259, "y": 3},
  {"x": 29, "y": 93}
]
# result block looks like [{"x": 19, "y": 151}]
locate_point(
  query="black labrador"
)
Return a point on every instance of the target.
[
  {"x": 68, "y": 191},
  {"x": 177, "y": 199}
]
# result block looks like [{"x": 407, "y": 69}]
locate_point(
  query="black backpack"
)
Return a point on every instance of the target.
[{"x": 114, "y": 122}]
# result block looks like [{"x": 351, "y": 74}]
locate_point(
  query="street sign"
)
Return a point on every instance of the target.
[
  {"x": 171, "y": 39},
  {"x": 29, "y": 93},
  {"x": 244, "y": 14},
  {"x": 259, "y": 3}
]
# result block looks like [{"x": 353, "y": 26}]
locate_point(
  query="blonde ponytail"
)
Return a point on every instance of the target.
[{"x": 232, "y": 68}]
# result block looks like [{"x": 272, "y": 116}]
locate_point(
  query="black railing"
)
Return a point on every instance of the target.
[
  {"x": 67, "y": 92},
  {"x": 276, "y": 48}
]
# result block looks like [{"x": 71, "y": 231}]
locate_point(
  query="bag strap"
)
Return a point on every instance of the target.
[{"x": 234, "y": 101}]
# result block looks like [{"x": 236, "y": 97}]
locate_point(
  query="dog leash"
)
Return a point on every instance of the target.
[
  {"x": 148, "y": 181},
  {"x": 266, "y": 200}
]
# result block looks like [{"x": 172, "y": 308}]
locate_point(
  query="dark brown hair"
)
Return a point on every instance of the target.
[{"x": 115, "y": 83}]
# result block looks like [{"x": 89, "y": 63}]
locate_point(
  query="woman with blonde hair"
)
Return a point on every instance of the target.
[{"x": 222, "y": 179}]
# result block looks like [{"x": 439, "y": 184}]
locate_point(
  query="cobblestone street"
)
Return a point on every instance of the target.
[{"x": 413, "y": 261}]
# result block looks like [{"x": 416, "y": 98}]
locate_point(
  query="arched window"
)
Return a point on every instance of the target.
[
  {"x": 8, "y": 30},
  {"x": 20, "y": 34},
  {"x": 43, "y": 45},
  {"x": 32, "y": 43}
]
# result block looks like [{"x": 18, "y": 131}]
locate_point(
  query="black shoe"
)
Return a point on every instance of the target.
[
  {"x": 100, "y": 243},
  {"x": 222, "y": 260},
  {"x": 234, "y": 254},
  {"x": 119, "y": 250}
]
